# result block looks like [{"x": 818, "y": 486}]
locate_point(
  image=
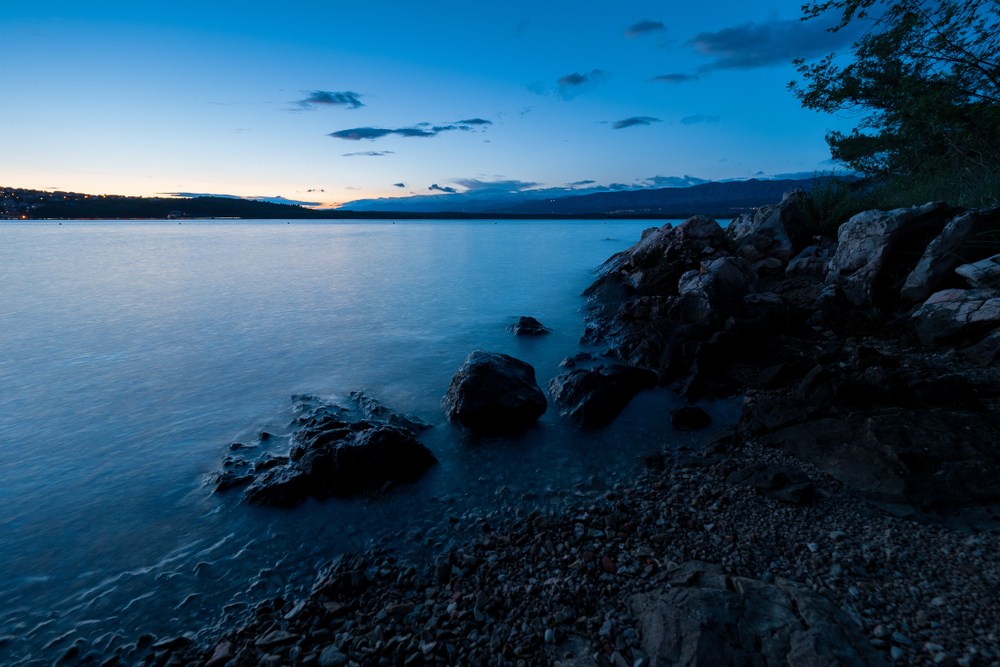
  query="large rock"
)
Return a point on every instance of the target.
[
  {"x": 706, "y": 618},
  {"x": 984, "y": 273},
  {"x": 494, "y": 392},
  {"x": 721, "y": 282},
  {"x": 960, "y": 242},
  {"x": 877, "y": 249},
  {"x": 919, "y": 462},
  {"x": 331, "y": 454},
  {"x": 957, "y": 316},
  {"x": 594, "y": 397},
  {"x": 528, "y": 326},
  {"x": 784, "y": 219}
]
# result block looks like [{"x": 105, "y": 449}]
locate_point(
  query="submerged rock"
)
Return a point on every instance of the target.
[
  {"x": 528, "y": 326},
  {"x": 494, "y": 392},
  {"x": 594, "y": 397},
  {"x": 688, "y": 418}
]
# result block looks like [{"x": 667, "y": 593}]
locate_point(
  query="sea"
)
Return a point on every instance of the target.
[{"x": 134, "y": 353}]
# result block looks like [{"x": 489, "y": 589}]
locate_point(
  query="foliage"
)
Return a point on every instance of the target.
[
  {"x": 925, "y": 77},
  {"x": 832, "y": 201}
]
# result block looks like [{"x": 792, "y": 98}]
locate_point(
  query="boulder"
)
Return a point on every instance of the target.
[
  {"x": 594, "y": 397},
  {"x": 688, "y": 418},
  {"x": 986, "y": 352},
  {"x": 494, "y": 392},
  {"x": 740, "y": 226},
  {"x": 707, "y": 618},
  {"x": 957, "y": 316},
  {"x": 784, "y": 220},
  {"x": 984, "y": 273},
  {"x": 809, "y": 263},
  {"x": 528, "y": 326},
  {"x": 960, "y": 242},
  {"x": 721, "y": 282},
  {"x": 877, "y": 248},
  {"x": 341, "y": 459}
]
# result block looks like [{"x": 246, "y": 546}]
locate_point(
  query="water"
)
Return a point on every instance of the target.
[{"x": 133, "y": 354}]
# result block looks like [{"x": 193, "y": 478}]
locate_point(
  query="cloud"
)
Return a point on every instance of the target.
[
  {"x": 700, "y": 118},
  {"x": 400, "y": 185},
  {"x": 571, "y": 85},
  {"x": 345, "y": 99},
  {"x": 675, "y": 181},
  {"x": 619, "y": 186},
  {"x": 582, "y": 183},
  {"x": 373, "y": 133},
  {"x": 370, "y": 153},
  {"x": 643, "y": 27},
  {"x": 772, "y": 42},
  {"x": 475, "y": 184},
  {"x": 474, "y": 121},
  {"x": 676, "y": 78},
  {"x": 438, "y": 187},
  {"x": 634, "y": 121},
  {"x": 315, "y": 190}
]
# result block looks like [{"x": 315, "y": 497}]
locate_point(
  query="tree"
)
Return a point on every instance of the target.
[{"x": 925, "y": 78}]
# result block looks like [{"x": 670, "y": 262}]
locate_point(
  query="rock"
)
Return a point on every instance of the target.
[
  {"x": 688, "y": 418},
  {"x": 343, "y": 577},
  {"x": 276, "y": 638},
  {"x": 984, "y": 273},
  {"x": 494, "y": 392},
  {"x": 775, "y": 481},
  {"x": 740, "y": 226},
  {"x": 808, "y": 266},
  {"x": 528, "y": 326},
  {"x": 594, "y": 397},
  {"x": 877, "y": 247},
  {"x": 960, "y": 242},
  {"x": 224, "y": 652},
  {"x": 332, "y": 657},
  {"x": 374, "y": 410},
  {"x": 721, "y": 282},
  {"x": 986, "y": 352},
  {"x": 784, "y": 219},
  {"x": 933, "y": 462},
  {"x": 342, "y": 459},
  {"x": 718, "y": 620},
  {"x": 957, "y": 316}
]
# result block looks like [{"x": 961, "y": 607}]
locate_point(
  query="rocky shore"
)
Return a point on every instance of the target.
[{"x": 849, "y": 518}]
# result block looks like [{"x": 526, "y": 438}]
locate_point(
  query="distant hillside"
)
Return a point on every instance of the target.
[
  {"x": 197, "y": 207},
  {"x": 715, "y": 198}
]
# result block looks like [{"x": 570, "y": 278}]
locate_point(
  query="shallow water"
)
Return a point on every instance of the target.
[{"x": 133, "y": 354}]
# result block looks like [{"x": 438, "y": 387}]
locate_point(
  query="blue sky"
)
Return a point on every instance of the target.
[{"x": 332, "y": 102}]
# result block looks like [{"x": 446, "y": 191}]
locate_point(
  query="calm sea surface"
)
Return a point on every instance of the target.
[{"x": 133, "y": 354}]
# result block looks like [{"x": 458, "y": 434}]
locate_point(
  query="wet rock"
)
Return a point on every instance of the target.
[
  {"x": 876, "y": 247},
  {"x": 528, "y": 326},
  {"x": 374, "y": 410},
  {"x": 343, "y": 577},
  {"x": 594, "y": 397},
  {"x": 732, "y": 620},
  {"x": 335, "y": 458},
  {"x": 775, "y": 481},
  {"x": 957, "y": 316},
  {"x": 689, "y": 418},
  {"x": 958, "y": 243},
  {"x": 494, "y": 392}
]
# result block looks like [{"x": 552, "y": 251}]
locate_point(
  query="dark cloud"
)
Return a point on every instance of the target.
[
  {"x": 619, "y": 186},
  {"x": 675, "y": 181},
  {"x": 315, "y": 190},
  {"x": 573, "y": 84},
  {"x": 582, "y": 183},
  {"x": 772, "y": 42},
  {"x": 643, "y": 27},
  {"x": 418, "y": 130},
  {"x": 635, "y": 120},
  {"x": 400, "y": 185},
  {"x": 370, "y": 153},
  {"x": 438, "y": 187},
  {"x": 676, "y": 78},
  {"x": 321, "y": 97},
  {"x": 505, "y": 186},
  {"x": 700, "y": 118}
]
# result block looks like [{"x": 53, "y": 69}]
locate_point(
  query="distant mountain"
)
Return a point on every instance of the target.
[{"x": 716, "y": 198}]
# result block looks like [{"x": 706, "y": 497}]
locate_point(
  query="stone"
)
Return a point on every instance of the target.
[
  {"x": 986, "y": 352},
  {"x": 276, "y": 638},
  {"x": 343, "y": 577},
  {"x": 594, "y": 397},
  {"x": 957, "y": 316},
  {"x": 960, "y": 242},
  {"x": 876, "y": 247},
  {"x": 984, "y": 273},
  {"x": 688, "y": 418},
  {"x": 719, "y": 620},
  {"x": 223, "y": 653},
  {"x": 528, "y": 326},
  {"x": 332, "y": 657},
  {"x": 721, "y": 282},
  {"x": 494, "y": 392},
  {"x": 814, "y": 268},
  {"x": 775, "y": 481},
  {"x": 784, "y": 219},
  {"x": 374, "y": 410}
]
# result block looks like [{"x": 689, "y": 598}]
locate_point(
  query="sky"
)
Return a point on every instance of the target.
[{"x": 326, "y": 103}]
